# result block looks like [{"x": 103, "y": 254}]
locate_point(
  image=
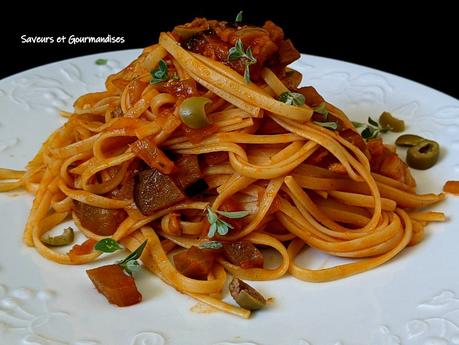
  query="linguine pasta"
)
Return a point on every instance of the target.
[{"x": 294, "y": 200}]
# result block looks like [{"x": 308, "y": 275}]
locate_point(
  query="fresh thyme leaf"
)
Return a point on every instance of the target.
[
  {"x": 234, "y": 215},
  {"x": 211, "y": 216},
  {"x": 372, "y": 130},
  {"x": 211, "y": 245},
  {"x": 329, "y": 125},
  {"x": 218, "y": 225},
  {"x": 212, "y": 230},
  {"x": 322, "y": 109},
  {"x": 238, "y": 19},
  {"x": 373, "y": 122},
  {"x": 369, "y": 133},
  {"x": 292, "y": 98},
  {"x": 130, "y": 264},
  {"x": 223, "y": 227},
  {"x": 108, "y": 245},
  {"x": 357, "y": 124},
  {"x": 160, "y": 74},
  {"x": 101, "y": 62},
  {"x": 247, "y": 72},
  {"x": 237, "y": 52}
]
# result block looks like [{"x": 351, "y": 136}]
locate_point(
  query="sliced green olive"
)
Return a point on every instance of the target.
[
  {"x": 423, "y": 155},
  {"x": 63, "y": 239},
  {"x": 187, "y": 32},
  {"x": 192, "y": 111},
  {"x": 387, "y": 121},
  {"x": 245, "y": 295},
  {"x": 408, "y": 140}
]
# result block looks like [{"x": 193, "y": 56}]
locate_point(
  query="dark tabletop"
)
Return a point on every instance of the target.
[{"x": 417, "y": 43}]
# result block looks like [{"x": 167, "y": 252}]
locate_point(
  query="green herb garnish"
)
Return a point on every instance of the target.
[
  {"x": 372, "y": 130},
  {"x": 238, "y": 19},
  {"x": 237, "y": 52},
  {"x": 108, "y": 245},
  {"x": 220, "y": 226},
  {"x": 130, "y": 263},
  {"x": 101, "y": 62},
  {"x": 292, "y": 98},
  {"x": 329, "y": 125},
  {"x": 160, "y": 74},
  {"x": 211, "y": 245},
  {"x": 357, "y": 124},
  {"x": 322, "y": 109}
]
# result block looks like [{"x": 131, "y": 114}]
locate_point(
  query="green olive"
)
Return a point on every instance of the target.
[
  {"x": 187, "y": 32},
  {"x": 387, "y": 121},
  {"x": 63, "y": 239},
  {"x": 192, "y": 111},
  {"x": 423, "y": 155},
  {"x": 408, "y": 140},
  {"x": 245, "y": 295}
]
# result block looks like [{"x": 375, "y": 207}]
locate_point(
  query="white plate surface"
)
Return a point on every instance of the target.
[{"x": 412, "y": 300}]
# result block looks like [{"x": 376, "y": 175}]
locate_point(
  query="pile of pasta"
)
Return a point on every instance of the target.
[{"x": 356, "y": 214}]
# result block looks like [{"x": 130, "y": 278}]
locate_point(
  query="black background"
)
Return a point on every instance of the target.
[{"x": 419, "y": 42}]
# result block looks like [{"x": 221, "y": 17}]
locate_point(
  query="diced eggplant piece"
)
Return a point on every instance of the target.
[
  {"x": 188, "y": 171},
  {"x": 154, "y": 191},
  {"x": 288, "y": 53},
  {"x": 244, "y": 254},
  {"x": 194, "y": 262},
  {"x": 313, "y": 98},
  {"x": 196, "y": 188},
  {"x": 101, "y": 221},
  {"x": 118, "y": 287}
]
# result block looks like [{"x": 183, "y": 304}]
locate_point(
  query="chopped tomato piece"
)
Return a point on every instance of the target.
[
  {"x": 147, "y": 150},
  {"x": 244, "y": 254},
  {"x": 451, "y": 187},
  {"x": 195, "y": 136},
  {"x": 82, "y": 249},
  {"x": 194, "y": 263},
  {"x": 232, "y": 205},
  {"x": 215, "y": 158},
  {"x": 287, "y": 53},
  {"x": 275, "y": 32},
  {"x": 355, "y": 139},
  {"x": 118, "y": 287},
  {"x": 180, "y": 88},
  {"x": 388, "y": 163}
]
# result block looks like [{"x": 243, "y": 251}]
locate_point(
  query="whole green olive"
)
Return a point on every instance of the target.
[
  {"x": 63, "y": 239},
  {"x": 245, "y": 295},
  {"x": 387, "y": 121},
  {"x": 423, "y": 155},
  {"x": 408, "y": 140},
  {"x": 192, "y": 111}
]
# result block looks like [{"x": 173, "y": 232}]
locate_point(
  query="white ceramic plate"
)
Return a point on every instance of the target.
[{"x": 414, "y": 299}]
